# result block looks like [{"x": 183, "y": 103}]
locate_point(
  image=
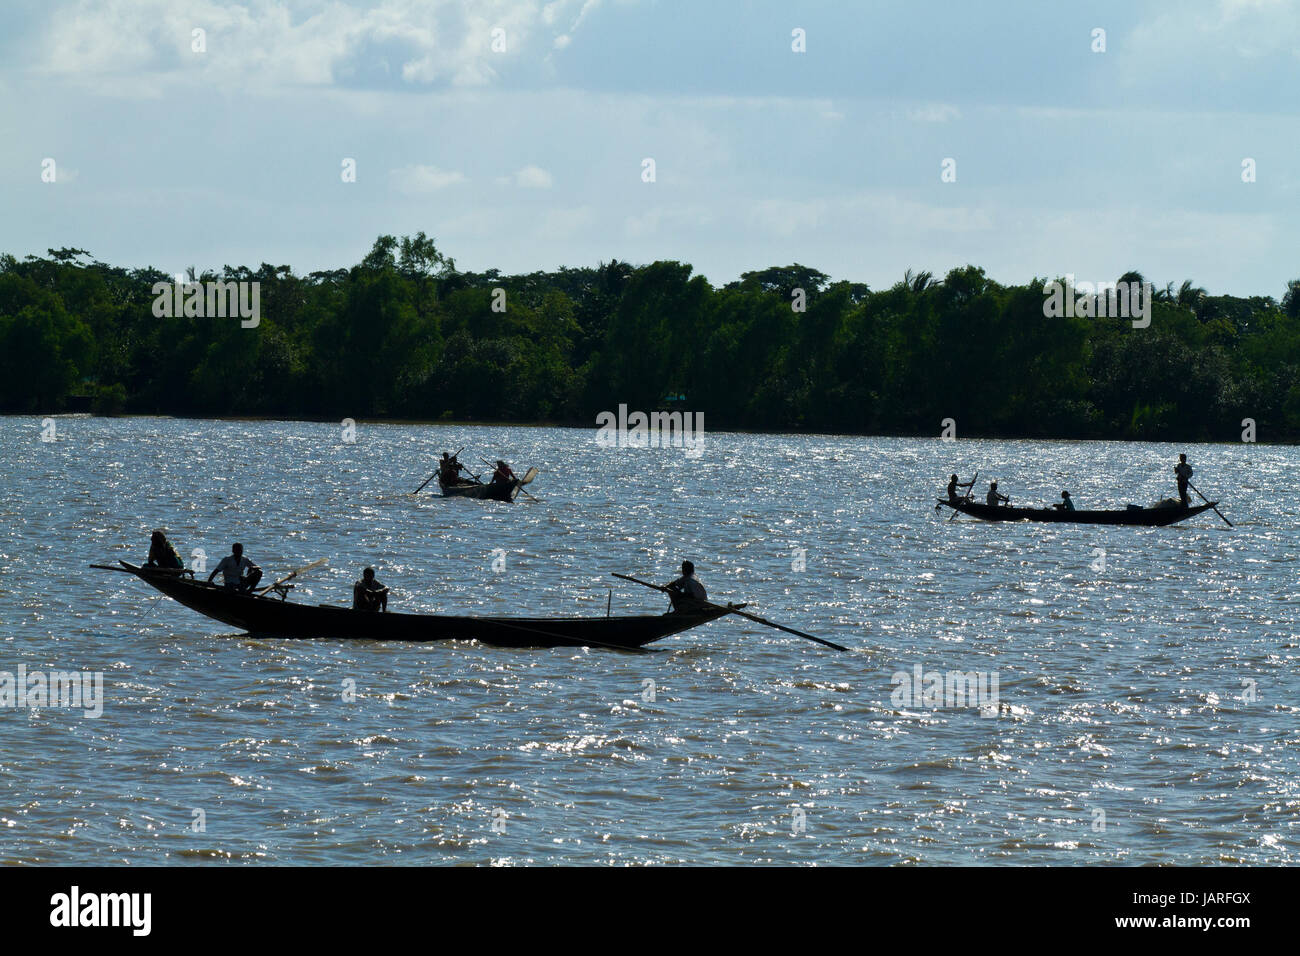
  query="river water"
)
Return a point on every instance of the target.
[{"x": 1145, "y": 710}]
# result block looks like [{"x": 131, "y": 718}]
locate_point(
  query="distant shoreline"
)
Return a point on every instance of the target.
[{"x": 718, "y": 431}]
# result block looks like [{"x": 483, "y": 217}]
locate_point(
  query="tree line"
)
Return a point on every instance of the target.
[{"x": 405, "y": 334}]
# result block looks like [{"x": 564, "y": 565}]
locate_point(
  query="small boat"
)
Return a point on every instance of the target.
[
  {"x": 272, "y": 615},
  {"x": 1155, "y": 516},
  {"x": 488, "y": 491}
]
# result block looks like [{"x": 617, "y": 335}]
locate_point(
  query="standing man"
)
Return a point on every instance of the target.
[
  {"x": 232, "y": 568},
  {"x": 1183, "y": 472},
  {"x": 687, "y": 586}
]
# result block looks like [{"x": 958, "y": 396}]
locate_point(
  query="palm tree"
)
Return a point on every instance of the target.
[
  {"x": 1190, "y": 295},
  {"x": 917, "y": 282},
  {"x": 1291, "y": 301}
]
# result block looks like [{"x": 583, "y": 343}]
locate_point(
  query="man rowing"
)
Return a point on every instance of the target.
[
  {"x": 993, "y": 498},
  {"x": 954, "y": 485},
  {"x": 368, "y": 594},
  {"x": 686, "y": 589},
  {"x": 449, "y": 469},
  {"x": 232, "y": 568},
  {"x": 1183, "y": 472},
  {"x": 1066, "y": 503},
  {"x": 502, "y": 475}
]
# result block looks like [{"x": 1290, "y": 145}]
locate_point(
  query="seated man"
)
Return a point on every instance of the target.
[
  {"x": 503, "y": 474},
  {"x": 449, "y": 470},
  {"x": 232, "y": 568},
  {"x": 686, "y": 589},
  {"x": 1066, "y": 503},
  {"x": 954, "y": 485},
  {"x": 368, "y": 594},
  {"x": 162, "y": 554},
  {"x": 994, "y": 497}
]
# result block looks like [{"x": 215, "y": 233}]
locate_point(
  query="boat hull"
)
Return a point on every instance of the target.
[
  {"x": 1138, "y": 517},
  {"x": 274, "y": 617},
  {"x": 506, "y": 491}
]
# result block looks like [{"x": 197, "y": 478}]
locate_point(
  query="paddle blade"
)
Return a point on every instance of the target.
[{"x": 293, "y": 574}]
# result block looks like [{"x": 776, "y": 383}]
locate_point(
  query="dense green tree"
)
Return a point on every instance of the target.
[{"x": 403, "y": 333}]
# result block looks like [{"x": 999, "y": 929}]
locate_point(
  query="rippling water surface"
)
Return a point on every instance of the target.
[{"x": 1147, "y": 688}]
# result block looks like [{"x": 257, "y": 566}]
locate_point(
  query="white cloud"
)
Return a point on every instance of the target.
[
  {"x": 566, "y": 223},
  {"x": 551, "y": 12},
  {"x": 272, "y": 42},
  {"x": 532, "y": 177},
  {"x": 1250, "y": 29},
  {"x": 424, "y": 179},
  {"x": 933, "y": 113},
  {"x": 675, "y": 219}
]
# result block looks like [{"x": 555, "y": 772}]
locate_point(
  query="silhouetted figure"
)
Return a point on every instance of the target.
[
  {"x": 503, "y": 474},
  {"x": 162, "y": 554},
  {"x": 233, "y": 567},
  {"x": 954, "y": 485},
  {"x": 368, "y": 594},
  {"x": 1066, "y": 503},
  {"x": 687, "y": 588},
  {"x": 449, "y": 469},
  {"x": 993, "y": 499},
  {"x": 1183, "y": 472}
]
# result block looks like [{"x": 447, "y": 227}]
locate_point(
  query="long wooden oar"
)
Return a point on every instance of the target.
[
  {"x": 1207, "y": 501},
  {"x": 293, "y": 574},
  {"x": 969, "y": 495},
  {"x": 731, "y": 610},
  {"x": 434, "y": 475}
]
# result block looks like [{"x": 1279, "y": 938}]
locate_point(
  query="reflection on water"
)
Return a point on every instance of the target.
[{"x": 1146, "y": 678}]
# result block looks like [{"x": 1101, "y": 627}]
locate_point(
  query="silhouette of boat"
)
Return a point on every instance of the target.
[{"x": 273, "y": 615}]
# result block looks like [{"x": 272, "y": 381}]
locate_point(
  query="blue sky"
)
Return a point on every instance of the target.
[{"x": 1068, "y": 161}]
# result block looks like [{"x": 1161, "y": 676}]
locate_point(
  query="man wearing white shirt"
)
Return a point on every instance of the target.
[{"x": 232, "y": 568}]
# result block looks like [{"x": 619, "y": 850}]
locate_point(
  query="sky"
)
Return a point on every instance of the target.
[{"x": 516, "y": 134}]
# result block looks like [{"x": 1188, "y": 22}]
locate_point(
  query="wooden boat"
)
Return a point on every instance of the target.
[
  {"x": 490, "y": 491},
  {"x": 1152, "y": 517},
  {"x": 273, "y": 615}
]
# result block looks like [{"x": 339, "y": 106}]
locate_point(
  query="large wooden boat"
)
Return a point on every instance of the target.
[
  {"x": 273, "y": 615},
  {"x": 1154, "y": 516}
]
